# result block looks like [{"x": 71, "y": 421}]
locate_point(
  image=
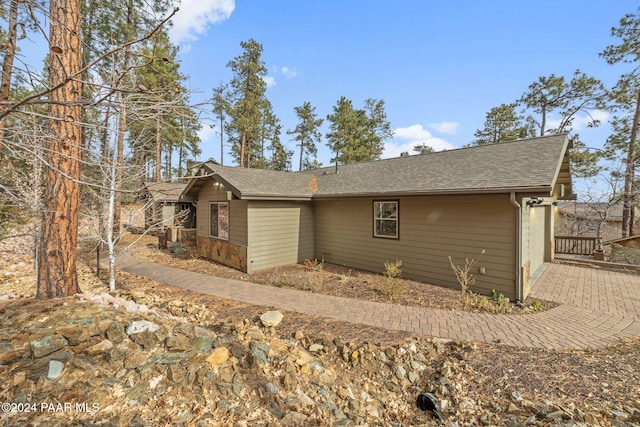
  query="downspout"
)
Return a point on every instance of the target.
[{"x": 512, "y": 197}]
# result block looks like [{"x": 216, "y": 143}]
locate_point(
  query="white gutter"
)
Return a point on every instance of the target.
[{"x": 512, "y": 197}]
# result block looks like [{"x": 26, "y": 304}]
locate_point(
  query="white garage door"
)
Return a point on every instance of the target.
[{"x": 536, "y": 238}]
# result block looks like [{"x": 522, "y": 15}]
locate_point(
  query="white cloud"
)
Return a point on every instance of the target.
[
  {"x": 411, "y": 136},
  {"x": 288, "y": 72},
  {"x": 580, "y": 122},
  {"x": 449, "y": 128},
  {"x": 195, "y": 16},
  {"x": 206, "y": 132},
  {"x": 270, "y": 81}
]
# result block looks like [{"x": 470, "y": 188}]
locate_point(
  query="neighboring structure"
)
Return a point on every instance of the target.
[
  {"x": 582, "y": 219},
  {"x": 164, "y": 208},
  {"x": 419, "y": 209}
]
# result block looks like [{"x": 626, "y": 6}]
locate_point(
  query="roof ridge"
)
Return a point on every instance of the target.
[{"x": 457, "y": 149}]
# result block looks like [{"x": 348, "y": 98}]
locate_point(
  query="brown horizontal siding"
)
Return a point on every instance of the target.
[
  {"x": 280, "y": 233},
  {"x": 237, "y": 213},
  {"x": 208, "y": 193},
  {"x": 431, "y": 229},
  {"x": 238, "y": 222}
]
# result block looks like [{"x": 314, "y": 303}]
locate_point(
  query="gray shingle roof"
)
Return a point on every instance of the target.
[
  {"x": 531, "y": 164},
  {"x": 165, "y": 191},
  {"x": 257, "y": 183}
]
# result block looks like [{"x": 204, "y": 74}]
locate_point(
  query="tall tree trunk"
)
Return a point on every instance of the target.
[
  {"x": 168, "y": 173},
  {"x": 57, "y": 275},
  {"x": 104, "y": 159},
  {"x": 221, "y": 141},
  {"x": 180, "y": 160},
  {"x": 158, "y": 177},
  {"x": 629, "y": 175},
  {"x": 301, "y": 154},
  {"x": 122, "y": 126},
  {"x": 89, "y": 13},
  {"x": 242, "y": 147},
  {"x": 7, "y": 65}
]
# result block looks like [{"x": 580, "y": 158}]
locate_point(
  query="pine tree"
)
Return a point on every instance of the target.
[
  {"x": 162, "y": 120},
  {"x": 423, "y": 149},
  {"x": 307, "y": 134},
  {"x": 502, "y": 123},
  {"x": 627, "y": 50},
  {"x": 246, "y": 102},
  {"x": 221, "y": 108},
  {"x": 355, "y": 136},
  {"x": 554, "y": 94}
]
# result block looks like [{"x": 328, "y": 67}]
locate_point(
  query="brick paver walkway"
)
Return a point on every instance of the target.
[{"x": 598, "y": 307}]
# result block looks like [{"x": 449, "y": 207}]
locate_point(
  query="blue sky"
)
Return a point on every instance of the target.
[{"x": 439, "y": 66}]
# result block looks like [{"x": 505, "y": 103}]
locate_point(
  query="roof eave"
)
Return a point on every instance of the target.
[
  {"x": 564, "y": 176},
  {"x": 464, "y": 191},
  {"x": 291, "y": 197}
]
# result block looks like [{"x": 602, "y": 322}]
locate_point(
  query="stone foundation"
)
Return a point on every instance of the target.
[{"x": 223, "y": 252}]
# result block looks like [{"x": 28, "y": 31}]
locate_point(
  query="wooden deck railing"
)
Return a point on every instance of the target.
[{"x": 576, "y": 245}]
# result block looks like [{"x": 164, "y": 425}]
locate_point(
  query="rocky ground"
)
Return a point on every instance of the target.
[{"x": 155, "y": 355}]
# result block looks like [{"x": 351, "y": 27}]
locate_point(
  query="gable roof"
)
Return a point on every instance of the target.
[
  {"x": 255, "y": 183},
  {"x": 533, "y": 165},
  {"x": 165, "y": 191}
]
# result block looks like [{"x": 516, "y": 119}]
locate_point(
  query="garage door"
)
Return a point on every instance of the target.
[{"x": 536, "y": 238}]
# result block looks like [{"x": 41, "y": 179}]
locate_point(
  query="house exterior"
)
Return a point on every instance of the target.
[
  {"x": 419, "y": 209},
  {"x": 164, "y": 207}
]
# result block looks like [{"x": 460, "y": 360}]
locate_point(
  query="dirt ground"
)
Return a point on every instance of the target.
[
  {"x": 599, "y": 380},
  {"x": 583, "y": 379},
  {"x": 331, "y": 279}
]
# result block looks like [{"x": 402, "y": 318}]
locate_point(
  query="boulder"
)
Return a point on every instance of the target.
[
  {"x": 47, "y": 345},
  {"x": 271, "y": 319},
  {"x": 218, "y": 356}
]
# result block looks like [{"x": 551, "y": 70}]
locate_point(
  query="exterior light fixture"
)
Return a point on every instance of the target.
[{"x": 534, "y": 201}]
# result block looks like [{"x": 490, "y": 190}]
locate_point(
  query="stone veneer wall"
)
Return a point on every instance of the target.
[
  {"x": 223, "y": 252},
  {"x": 187, "y": 236}
]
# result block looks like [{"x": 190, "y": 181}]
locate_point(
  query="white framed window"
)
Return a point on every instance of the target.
[
  {"x": 219, "y": 220},
  {"x": 385, "y": 219}
]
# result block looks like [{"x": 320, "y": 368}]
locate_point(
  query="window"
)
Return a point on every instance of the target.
[
  {"x": 385, "y": 219},
  {"x": 219, "y": 220}
]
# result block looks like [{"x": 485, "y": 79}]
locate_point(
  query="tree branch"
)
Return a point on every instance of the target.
[{"x": 38, "y": 95}]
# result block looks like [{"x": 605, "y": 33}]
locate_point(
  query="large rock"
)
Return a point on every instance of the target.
[
  {"x": 103, "y": 346},
  {"x": 138, "y": 326},
  {"x": 78, "y": 332},
  {"x": 219, "y": 356},
  {"x": 271, "y": 318},
  {"x": 55, "y": 369},
  {"x": 47, "y": 345},
  {"x": 293, "y": 419},
  {"x": 116, "y": 332},
  {"x": 176, "y": 343},
  {"x": 203, "y": 344}
]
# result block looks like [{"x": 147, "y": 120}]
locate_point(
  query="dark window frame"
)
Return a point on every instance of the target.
[
  {"x": 379, "y": 218},
  {"x": 219, "y": 225}
]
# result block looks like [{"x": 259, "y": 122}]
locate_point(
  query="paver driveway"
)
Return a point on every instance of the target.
[{"x": 598, "y": 307}]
